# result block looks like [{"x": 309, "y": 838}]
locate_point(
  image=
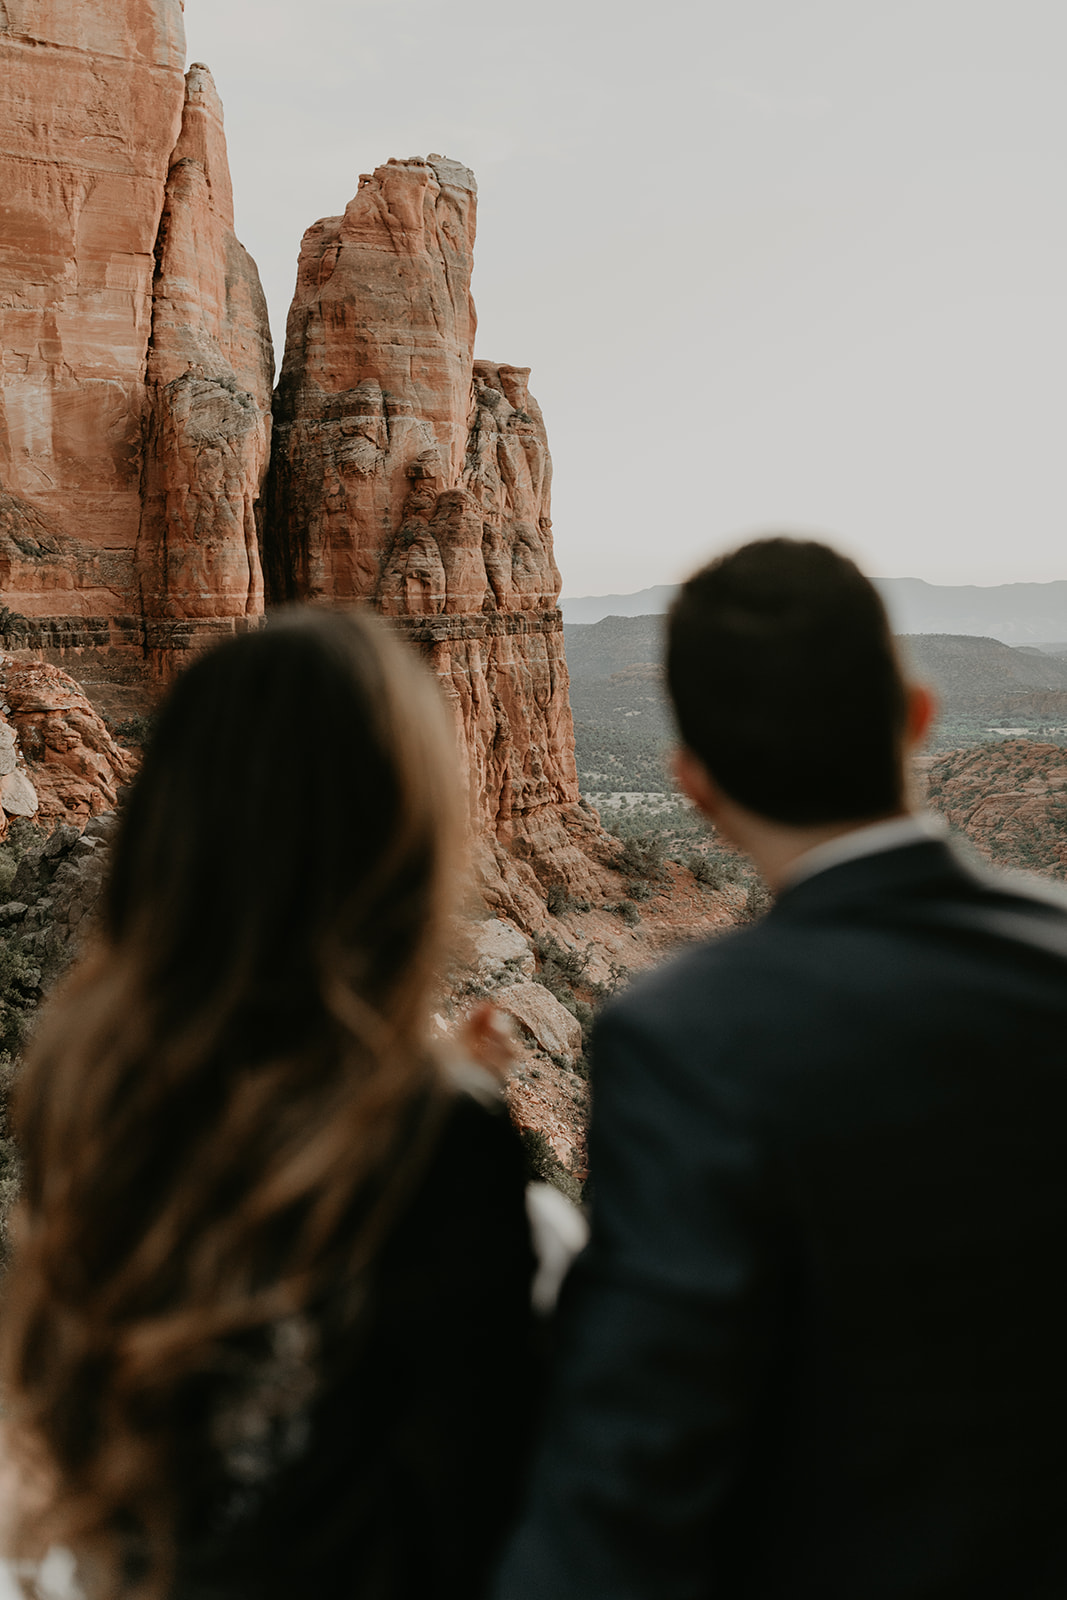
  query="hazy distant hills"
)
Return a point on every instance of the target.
[
  {"x": 596, "y": 650},
  {"x": 957, "y": 665},
  {"x": 623, "y": 724},
  {"x": 1014, "y": 613},
  {"x": 966, "y": 670},
  {"x": 592, "y": 607}
]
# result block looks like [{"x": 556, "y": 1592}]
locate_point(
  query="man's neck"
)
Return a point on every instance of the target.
[{"x": 777, "y": 848}]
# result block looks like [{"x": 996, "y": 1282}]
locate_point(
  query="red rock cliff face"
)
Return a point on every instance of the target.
[
  {"x": 375, "y": 388},
  {"x": 408, "y": 475},
  {"x": 210, "y": 373},
  {"x": 136, "y": 368},
  {"x": 90, "y": 107}
]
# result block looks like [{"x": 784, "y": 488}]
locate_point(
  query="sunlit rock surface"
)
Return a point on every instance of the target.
[
  {"x": 407, "y": 475},
  {"x": 56, "y": 746},
  {"x": 91, "y": 102},
  {"x": 136, "y": 365},
  {"x": 210, "y": 371}
]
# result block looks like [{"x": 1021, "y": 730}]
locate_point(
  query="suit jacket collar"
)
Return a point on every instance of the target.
[
  {"x": 868, "y": 840},
  {"x": 927, "y": 868}
]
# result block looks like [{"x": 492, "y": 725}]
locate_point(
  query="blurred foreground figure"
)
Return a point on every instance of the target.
[
  {"x": 816, "y": 1347},
  {"x": 270, "y": 1298}
]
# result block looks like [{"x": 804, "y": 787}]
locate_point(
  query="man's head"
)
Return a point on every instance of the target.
[{"x": 786, "y": 684}]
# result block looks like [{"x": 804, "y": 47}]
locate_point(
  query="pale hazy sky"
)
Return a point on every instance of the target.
[{"x": 774, "y": 263}]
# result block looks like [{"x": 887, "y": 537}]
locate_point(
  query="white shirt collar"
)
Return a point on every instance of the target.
[{"x": 871, "y": 840}]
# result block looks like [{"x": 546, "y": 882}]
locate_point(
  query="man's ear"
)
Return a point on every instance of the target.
[
  {"x": 922, "y": 709},
  {"x": 694, "y": 780}
]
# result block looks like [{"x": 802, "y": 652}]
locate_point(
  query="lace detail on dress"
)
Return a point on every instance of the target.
[{"x": 265, "y": 1423}]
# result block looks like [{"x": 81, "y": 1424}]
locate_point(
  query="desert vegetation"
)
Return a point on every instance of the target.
[
  {"x": 623, "y": 729},
  {"x": 1009, "y": 800},
  {"x": 666, "y": 827}
]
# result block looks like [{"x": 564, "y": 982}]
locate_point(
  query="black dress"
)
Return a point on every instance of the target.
[{"x": 414, "y": 1448}]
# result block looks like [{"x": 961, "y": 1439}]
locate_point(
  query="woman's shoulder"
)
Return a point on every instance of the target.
[
  {"x": 479, "y": 1179},
  {"x": 475, "y": 1168}
]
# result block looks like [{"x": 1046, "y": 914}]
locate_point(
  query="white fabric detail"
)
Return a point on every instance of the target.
[
  {"x": 872, "y": 840},
  {"x": 55, "y": 1578},
  {"x": 559, "y": 1233}
]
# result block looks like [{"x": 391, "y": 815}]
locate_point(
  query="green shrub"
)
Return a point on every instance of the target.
[
  {"x": 22, "y": 835},
  {"x": 641, "y": 856},
  {"x": 9, "y": 1161},
  {"x": 558, "y": 964},
  {"x": 757, "y": 901},
  {"x": 134, "y": 730},
  {"x": 28, "y": 966},
  {"x": 707, "y": 870}
]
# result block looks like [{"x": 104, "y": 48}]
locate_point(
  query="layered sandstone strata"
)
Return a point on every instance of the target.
[{"x": 407, "y": 475}]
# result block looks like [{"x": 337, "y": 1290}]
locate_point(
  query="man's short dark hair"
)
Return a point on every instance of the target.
[{"x": 786, "y": 683}]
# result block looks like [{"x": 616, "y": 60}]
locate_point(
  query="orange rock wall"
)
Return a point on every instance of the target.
[
  {"x": 408, "y": 475},
  {"x": 210, "y": 374},
  {"x": 55, "y": 743},
  {"x": 375, "y": 388},
  {"x": 135, "y": 357},
  {"x": 91, "y": 101}
]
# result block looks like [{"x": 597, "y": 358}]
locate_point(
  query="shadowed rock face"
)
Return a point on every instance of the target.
[{"x": 409, "y": 476}]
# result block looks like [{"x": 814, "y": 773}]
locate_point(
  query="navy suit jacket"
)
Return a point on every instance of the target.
[{"x": 817, "y": 1346}]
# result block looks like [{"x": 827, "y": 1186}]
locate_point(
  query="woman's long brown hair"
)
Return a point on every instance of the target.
[{"x": 223, "y": 1080}]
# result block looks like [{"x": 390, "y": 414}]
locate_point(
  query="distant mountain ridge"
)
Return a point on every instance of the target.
[
  {"x": 623, "y": 724},
  {"x": 967, "y": 669},
  {"x": 1015, "y": 613},
  {"x": 595, "y": 607}
]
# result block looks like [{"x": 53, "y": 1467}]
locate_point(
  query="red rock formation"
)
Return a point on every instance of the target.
[
  {"x": 210, "y": 371},
  {"x": 375, "y": 387},
  {"x": 62, "y": 764},
  {"x": 1009, "y": 798},
  {"x": 408, "y": 475},
  {"x": 90, "y": 106},
  {"x": 136, "y": 364}
]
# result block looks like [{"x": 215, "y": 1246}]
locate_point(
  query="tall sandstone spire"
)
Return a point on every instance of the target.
[
  {"x": 210, "y": 372},
  {"x": 135, "y": 360},
  {"x": 91, "y": 101},
  {"x": 409, "y": 476}
]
